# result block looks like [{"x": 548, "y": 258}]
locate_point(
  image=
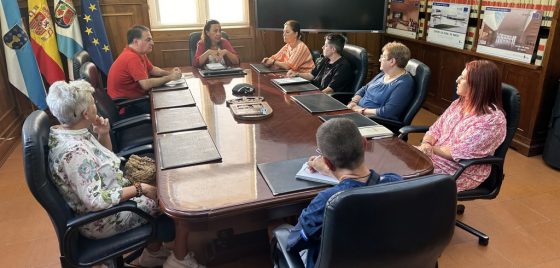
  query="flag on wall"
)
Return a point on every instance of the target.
[
  {"x": 23, "y": 71},
  {"x": 68, "y": 32},
  {"x": 94, "y": 36},
  {"x": 43, "y": 41}
]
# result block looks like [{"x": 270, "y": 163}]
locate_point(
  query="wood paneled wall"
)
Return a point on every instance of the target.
[{"x": 171, "y": 49}]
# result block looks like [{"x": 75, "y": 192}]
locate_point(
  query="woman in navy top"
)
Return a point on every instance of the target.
[{"x": 389, "y": 93}]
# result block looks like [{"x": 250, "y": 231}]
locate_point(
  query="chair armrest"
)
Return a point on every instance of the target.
[
  {"x": 404, "y": 131},
  {"x": 123, "y": 103},
  {"x": 128, "y": 205},
  {"x": 131, "y": 122},
  {"x": 385, "y": 121},
  {"x": 343, "y": 97},
  {"x": 280, "y": 254},
  {"x": 465, "y": 163},
  {"x": 119, "y": 100},
  {"x": 138, "y": 150}
]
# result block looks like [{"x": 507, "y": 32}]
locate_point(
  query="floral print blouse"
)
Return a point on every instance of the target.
[
  {"x": 468, "y": 136},
  {"x": 88, "y": 176}
]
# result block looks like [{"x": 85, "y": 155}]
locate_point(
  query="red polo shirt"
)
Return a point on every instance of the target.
[{"x": 126, "y": 71}]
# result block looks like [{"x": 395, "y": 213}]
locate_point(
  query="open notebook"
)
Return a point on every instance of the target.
[
  {"x": 305, "y": 174},
  {"x": 367, "y": 127}
]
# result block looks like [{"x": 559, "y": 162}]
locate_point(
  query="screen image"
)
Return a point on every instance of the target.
[{"x": 323, "y": 15}]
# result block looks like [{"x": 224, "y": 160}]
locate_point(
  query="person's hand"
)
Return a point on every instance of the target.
[
  {"x": 351, "y": 105},
  {"x": 267, "y": 62},
  {"x": 101, "y": 125},
  {"x": 425, "y": 148},
  {"x": 292, "y": 73},
  {"x": 222, "y": 52},
  {"x": 356, "y": 108},
  {"x": 177, "y": 70},
  {"x": 149, "y": 191},
  {"x": 318, "y": 164},
  {"x": 175, "y": 75}
]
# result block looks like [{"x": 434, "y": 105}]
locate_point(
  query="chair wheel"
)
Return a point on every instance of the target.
[
  {"x": 460, "y": 209},
  {"x": 483, "y": 241}
]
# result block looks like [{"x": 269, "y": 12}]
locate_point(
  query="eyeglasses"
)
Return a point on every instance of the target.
[{"x": 383, "y": 57}]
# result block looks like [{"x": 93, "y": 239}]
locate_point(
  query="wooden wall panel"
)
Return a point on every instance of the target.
[
  {"x": 172, "y": 46},
  {"x": 119, "y": 16}
]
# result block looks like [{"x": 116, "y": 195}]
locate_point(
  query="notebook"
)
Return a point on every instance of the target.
[
  {"x": 174, "y": 98},
  {"x": 289, "y": 81},
  {"x": 261, "y": 68},
  {"x": 318, "y": 103},
  {"x": 367, "y": 127},
  {"x": 224, "y": 72},
  {"x": 215, "y": 66},
  {"x": 305, "y": 174},
  {"x": 360, "y": 120},
  {"x": 280, "y": 176},
  {"x": 186, "y": 149},
  {"x": 178, "y": 119},
  {"x": 172, "y": 85},
  {"x": 297, "y": 88}
]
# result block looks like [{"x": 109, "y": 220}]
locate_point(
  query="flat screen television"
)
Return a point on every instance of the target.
[{"x": 323, "y": 15}]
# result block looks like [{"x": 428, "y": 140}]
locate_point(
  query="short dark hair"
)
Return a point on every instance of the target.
[
  {"x": 340, "y": 141},
  {"x": 337, "y": 41},
  {"x": 294, "y": 25},
  {"x": 204, "y": 36},
  {"x": 136, "y": 33}
]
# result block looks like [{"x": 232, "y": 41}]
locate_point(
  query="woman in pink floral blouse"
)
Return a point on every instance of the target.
[{"x": 473, "y": 126}]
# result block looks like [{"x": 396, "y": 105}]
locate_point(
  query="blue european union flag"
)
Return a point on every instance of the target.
[{"x": 94, "y": 36}]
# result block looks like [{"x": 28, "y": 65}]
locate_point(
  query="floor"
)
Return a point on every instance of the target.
[{"x": 523, "y": 222}]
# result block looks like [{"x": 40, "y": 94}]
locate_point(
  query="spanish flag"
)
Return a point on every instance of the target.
[{"x": 43, "y": 41}]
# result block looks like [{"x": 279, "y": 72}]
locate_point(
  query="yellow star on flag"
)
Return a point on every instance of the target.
[
  {"x": 88, "y": 30},
  {"x": 92, "y": 7},
  {"x": 87, "y": 18},
  {"x": 106, "y": 48},
  {"x": 95, "y": 41}
]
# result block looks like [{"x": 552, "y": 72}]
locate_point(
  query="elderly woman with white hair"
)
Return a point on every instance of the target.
[{"x": 87, "y": 173}]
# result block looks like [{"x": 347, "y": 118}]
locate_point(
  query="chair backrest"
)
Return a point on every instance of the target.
[
  {"x": 403, "y": 224},
  {"x": 491, "y": 187},
  {"x": 421, "y": 74},
  {"x": 194, "y": 37},
  {"x": 79, "y": 59},
  {"x": 358, "y": 57},
  {"x": 35, "y": 133},
  {"x": 106, "y": 107}
]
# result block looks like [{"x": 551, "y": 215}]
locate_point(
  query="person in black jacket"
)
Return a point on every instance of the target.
[{"x": 332, "y": 73}]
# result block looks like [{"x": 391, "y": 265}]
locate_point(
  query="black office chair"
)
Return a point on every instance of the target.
[
  {"x": 194, "y": 37},
  {"x": 75, "y": 249},
  {"x": 402, "y": 224},
  {"x": 79, "y": 59},
  {"x": 421, "y": 74},
  {"x": 130, "y": 133},
  {"x": 490, "y": 188},
  {"x": 358, "y": 58}
]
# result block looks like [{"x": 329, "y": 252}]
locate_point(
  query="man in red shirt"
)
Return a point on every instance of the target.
[{"x": 132, "y": 74}]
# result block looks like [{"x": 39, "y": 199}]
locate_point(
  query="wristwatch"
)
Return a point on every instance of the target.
[{"x": 363, "y": 111}]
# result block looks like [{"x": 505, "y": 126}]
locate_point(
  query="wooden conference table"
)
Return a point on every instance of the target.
[{"x": 234, "y": 187}]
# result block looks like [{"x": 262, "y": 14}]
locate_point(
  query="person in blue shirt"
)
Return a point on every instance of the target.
[
  {"x": 341, "y": 149},
  {"x": 389, "y": 93}
]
